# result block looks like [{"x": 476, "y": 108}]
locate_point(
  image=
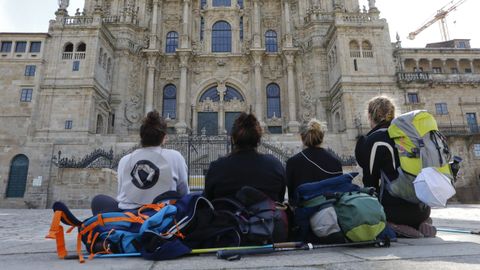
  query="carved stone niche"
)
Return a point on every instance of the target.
[
  {"x": 235, "y": 105},
  {"x": 208, "y": 105}
]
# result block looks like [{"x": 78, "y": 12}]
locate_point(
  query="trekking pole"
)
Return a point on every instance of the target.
[
  {"x": 450, "y": 230},
  {"x": 193, "y": 252},
  {"x": 236, "y": 254}
]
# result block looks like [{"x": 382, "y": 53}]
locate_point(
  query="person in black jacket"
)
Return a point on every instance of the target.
[
  {"x": 312, "y": 164},
  {"x": 245, "y": 166},
  {"x": 375, "y": 153}
]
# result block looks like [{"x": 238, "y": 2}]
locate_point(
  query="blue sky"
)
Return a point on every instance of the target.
[{"x": 403, "y": 17}]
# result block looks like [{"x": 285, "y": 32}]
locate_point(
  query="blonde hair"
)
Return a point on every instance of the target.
[
  {"x": 381, "y": 109},
  {"x": 312, "y": 134}
]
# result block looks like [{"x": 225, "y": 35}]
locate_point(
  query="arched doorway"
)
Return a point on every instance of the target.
[
  {"x": 217, "y": 109},
  {"x": 17, "y": 177}
]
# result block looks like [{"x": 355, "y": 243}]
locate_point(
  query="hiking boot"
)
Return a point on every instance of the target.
[
  {"x": 405, "y": 231},
  {"x": 427, "y": 229}
]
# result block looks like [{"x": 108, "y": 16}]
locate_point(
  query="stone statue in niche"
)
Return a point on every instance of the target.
[{"x": 63, "y": 4}]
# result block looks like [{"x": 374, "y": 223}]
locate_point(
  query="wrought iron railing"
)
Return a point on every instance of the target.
[
  {"x": 198, "y": 150},
  {"x": 460, "y": 130}
]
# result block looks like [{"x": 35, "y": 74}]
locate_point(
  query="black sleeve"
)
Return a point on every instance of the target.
[
  {"x": 283, "y": 187},
  {"x": 209, "y": 185},
  {"x": 382, "y": 162}
]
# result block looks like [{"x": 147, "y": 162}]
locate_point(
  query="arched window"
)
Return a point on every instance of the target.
[
  {"x": 232, "y": 93},
  {"x": 99, "y": 129},
  {"x": 221, "y": 37},
  {"x": 273, "y": 101},
  {"x": 367, "y": 50},
  {"x": 211, "y": 94},
  {"x": 271, "y": 41},
  {"x": 169, "y": 108},
  {"x": 354, "y": 49},
  {"x": 68, "y": 47},
  {"x": 172, "y": 42},
  {"x": 17, "y": 177},
  {"x": 81, "y": 47},
  {"x": 221, "y": 3}
]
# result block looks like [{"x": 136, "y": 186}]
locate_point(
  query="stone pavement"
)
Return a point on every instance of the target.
[{"x": 23, "y": 246}]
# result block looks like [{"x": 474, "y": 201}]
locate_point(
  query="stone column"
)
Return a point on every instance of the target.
[
  {"x": 472, "y": 66},
  {"x": 184, "y": 40},
  {"x": 222, "y": 89},
  {"x": 153, "y": 30},
  {"x": 288, "y": 25},
  {"x": 417, "y": 65},
  {"x": 293, "y": 125},
  {"x": 259, "y": 91},
  {"x": 181, "y": 125},
  {"x": 444, "y": 65},
  {"x": 257, "y": 39},
  {"x": 151, "y": 66},
  {"x": 457, "y": 64}
]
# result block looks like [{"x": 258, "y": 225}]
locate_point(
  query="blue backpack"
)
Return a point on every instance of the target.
[
  {"x": 164, "y": 230},
  {"x": 335, "y": 210}
]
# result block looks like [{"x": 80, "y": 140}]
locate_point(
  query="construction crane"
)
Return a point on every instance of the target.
[{"x": 439, "y": 16}]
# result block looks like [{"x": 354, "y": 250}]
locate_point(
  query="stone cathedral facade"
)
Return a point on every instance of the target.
[{"x": 88, "y": 81}]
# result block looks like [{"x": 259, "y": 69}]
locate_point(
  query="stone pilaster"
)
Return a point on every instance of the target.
[
  {"x": 293, "y": 124},
  {"x": 259, "y": 91},
  {"x": 181, "y": 125}
]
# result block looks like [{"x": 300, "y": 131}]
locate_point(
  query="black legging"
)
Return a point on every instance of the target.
[{"x": 408, "y": 214}]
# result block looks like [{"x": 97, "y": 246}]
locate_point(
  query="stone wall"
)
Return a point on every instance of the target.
[{"x": 77, "y": 187}]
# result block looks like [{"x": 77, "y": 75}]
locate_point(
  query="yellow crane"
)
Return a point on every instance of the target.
[{"x": 441, "y": 16}]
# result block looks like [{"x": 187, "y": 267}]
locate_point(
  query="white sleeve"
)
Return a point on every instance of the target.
[{"x": 182, "y": 183}]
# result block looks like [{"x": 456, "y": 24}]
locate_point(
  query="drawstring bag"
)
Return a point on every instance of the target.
[{"x": 433, "y": 188}]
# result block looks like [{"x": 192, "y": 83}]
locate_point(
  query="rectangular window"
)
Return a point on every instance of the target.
[
  {"x": 454, "y": 70},
  {"x": 26, "y": 95},
  {"x": 21, "y": 46},
  {"x": 472, "y": 122},
  {"x": 413, "y": 98},
  {"x": 241, "y": 28},
  {"x": 6, "y": 47},
  {"x": 441, "y": 108},
  {"x": 68, "y": 124},
  {"x": 436, "y": 69},
  {"x": 76, "y": 66},
  {"x": 476, "y": 150},
  {"x": 35, "y": 46},
  {"x": 468, "y": 70},
  {"x": 30, "y": 70}
]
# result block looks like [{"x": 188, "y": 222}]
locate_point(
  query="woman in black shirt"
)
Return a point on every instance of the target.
[
  {"x": 314, "y": 163},
  {"x": 245, "y": 166}
]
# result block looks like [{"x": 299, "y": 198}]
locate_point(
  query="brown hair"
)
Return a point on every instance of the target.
[
  {"x": 246, "y": 132},
  {"x": 153, "y": 129},
  {"x": 312, "y": 134},
  {"x": 381, "y": 109}
]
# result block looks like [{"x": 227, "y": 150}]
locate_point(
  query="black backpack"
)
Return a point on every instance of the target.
[{"x": 260, "y": 220}]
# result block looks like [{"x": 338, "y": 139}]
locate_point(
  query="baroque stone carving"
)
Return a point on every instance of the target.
[
  {"x": 235, "y": 105},
  {"x": 208, "y": 105},
  {"x": 133, "y": 108},
  {"x": 308, "y": 106}
]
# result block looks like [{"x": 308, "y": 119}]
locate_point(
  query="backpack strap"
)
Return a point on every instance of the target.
[{"x": 318, "y": 166}]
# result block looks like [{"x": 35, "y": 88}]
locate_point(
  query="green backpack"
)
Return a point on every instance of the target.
[{"x": 359, "y": 215}]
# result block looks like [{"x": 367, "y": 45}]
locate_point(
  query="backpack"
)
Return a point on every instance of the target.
[
  {"x": 335, "y": 210},
  {"x": 163, "y": 230},
  {"x": 260, "y": 220},
  {"x": 420, "y": 146}
]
